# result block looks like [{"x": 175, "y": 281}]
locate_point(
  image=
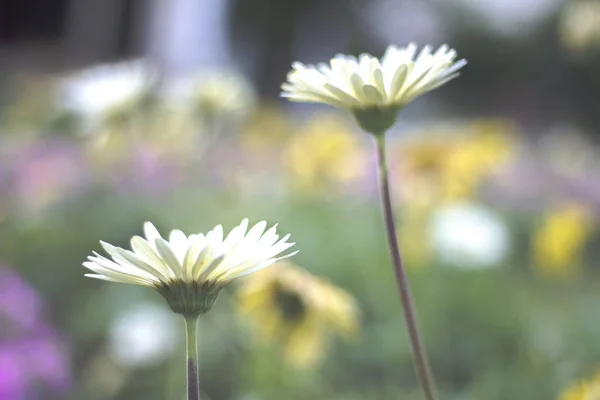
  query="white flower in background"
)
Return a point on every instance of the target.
[
  {"x": 105, "y": 90},
  {"x": 558, "y": 146},
  {"x": 469, "y": 236},
  {"x": 509, "y": 18},
  {"x": 144, "y": 335},
  {"x": 189, "y": 271},
  {"x": 391, "y": 19},
  {"x": 379, "y": 88},
  {"x": 579, "y": 25},
  {"x": 216, "y": 93}
]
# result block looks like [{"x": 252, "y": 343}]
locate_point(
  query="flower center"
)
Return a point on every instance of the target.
[{"x": 290, "y": 304}]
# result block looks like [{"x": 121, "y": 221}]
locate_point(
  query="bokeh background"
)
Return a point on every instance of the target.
[{"x": 116, "y": 112}]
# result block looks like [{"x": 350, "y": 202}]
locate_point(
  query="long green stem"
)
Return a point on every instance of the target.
[
  {"x": 193, "y": 390},
  {"x": 410, "y": 316}
]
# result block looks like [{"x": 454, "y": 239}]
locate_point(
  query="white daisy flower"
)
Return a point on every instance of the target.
[
  {"x": 469, "y": 236},
  {"x": 374, "y": 90},
  {"x": 189, "y": 271},
  {"x": 102, "y": 91}
]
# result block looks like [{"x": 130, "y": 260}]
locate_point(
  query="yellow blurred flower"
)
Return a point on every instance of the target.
[
  {"x": 299, "y": 310},
  {"x": 324, "y": 153},
  {"x": 489, "y": 145},
  {"x": 559, "y": 241},
  {"x": 266, "y": 127},
  {"x": 421, "y": 165},
  {"x": 450, "y": 166},
  {"x": 586, "y": 390}
]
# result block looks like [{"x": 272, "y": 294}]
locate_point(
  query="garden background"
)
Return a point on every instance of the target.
[{"x": 113, "y": 113}]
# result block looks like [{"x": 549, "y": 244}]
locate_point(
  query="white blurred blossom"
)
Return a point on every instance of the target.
[
  {"x": 509, "y": 17},
  {"x": 579, "y": 25},
  {"x": 144, "y": 335},
  {"x": 102, "y": 91},
  {"x": 469, "y": 236},
  {"x": 418, "y": 20}
]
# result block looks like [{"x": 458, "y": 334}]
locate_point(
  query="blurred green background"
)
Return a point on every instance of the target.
[{"x": 118, "y": 112}]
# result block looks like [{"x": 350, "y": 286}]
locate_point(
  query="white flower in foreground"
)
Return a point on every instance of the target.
[
  {"x": 374, "y": 90},
  {"x": 143, "y": 335},
  {"x": 469, "y": 236},
  {"x": 105, "y": 90},
  {"x": 189, "y": 271}
]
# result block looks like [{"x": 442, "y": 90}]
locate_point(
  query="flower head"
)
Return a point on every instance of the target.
[
  {"x": 189, "y": 271},
  {"x": 374, "y": 90},
  {"x": 299, "y": 310},
  {"x": 215, "y": 94}
]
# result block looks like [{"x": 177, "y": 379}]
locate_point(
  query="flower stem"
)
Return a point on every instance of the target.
[
  {"x": 193, "y": 390},
  {"x": 419, "y": 354}
]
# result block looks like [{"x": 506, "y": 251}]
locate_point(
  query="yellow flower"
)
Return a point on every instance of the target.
[
  {"x": 449, "y": 166},
  {"x": 586, "y": 390},
  {"x": 323, "y": 153},
  {"x": 559, "y": 241},
  {"x": 299, "y": 310},
  {"x": 488, "y": 145}
]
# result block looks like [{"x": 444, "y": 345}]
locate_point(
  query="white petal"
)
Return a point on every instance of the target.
[
  {"x": 147, "y": 253},
  {"x": 125, "y": 257},
  {"x": 169, "y": 257},
  {"x": 103, "y": 267},
  {"x": 178, "y": 242},
  {"x": 151, "y": 233},
  {"x": 256, "y": 232},
  {"x": 371, "y": 93}
]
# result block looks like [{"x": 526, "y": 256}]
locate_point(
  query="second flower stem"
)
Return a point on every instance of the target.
[
  {"x": 410, "y": 316},
  {"x": 193, "y": 389}
]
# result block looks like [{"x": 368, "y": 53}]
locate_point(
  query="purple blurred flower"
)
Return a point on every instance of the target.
[
  {"x": 19, "y": 304},
  {"x": 13, "y": 380},
  {"x": 44, "y": 171},
  {"x": 32, "y": 356}
]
